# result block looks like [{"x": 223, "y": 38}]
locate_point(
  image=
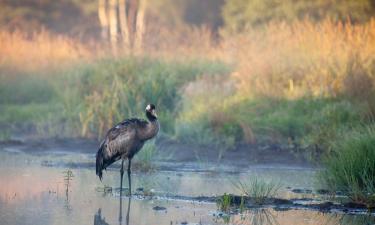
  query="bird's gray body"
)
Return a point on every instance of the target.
[{"x": 124, "y": 140}]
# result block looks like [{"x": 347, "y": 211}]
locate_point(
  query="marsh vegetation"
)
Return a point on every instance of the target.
[{"x": 291, "y": 78}]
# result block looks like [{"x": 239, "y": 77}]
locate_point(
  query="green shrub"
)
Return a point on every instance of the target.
[{"x": 351, "y": 165}]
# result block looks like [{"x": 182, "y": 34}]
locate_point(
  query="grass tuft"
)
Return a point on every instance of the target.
[
  {"x": 224, "y": 203},
  {"x": 144, "y": 159},
  {"x": 258, "y": 189},
  {"x": 350, "y": 167}
]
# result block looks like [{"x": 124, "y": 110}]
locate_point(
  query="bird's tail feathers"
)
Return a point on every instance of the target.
[{"x": 100, "y": 162}]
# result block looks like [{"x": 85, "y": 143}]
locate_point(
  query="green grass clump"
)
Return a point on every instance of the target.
[
  {"x": 144, "y": 159},
  {"x": 309, "y": 124},
  {"x": 305, "y": 124},
  {"x": 224, "y": 203},
  {"x": 350, "y": 167},
  {"x": 102, "y": 94},
  {"x": 258, "y": 189}
]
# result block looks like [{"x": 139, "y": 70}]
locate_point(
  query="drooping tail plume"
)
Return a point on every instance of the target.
[{"x": 100, "y": 162}]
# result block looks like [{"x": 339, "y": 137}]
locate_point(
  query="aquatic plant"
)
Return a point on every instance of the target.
[
  {"x": 259, "y": 190},
  {"x": 350, "y": 167},
  {"x": 68, "y": 177},
  {"x": 242, "y": 204},
  {"x": 224, "y": 202}
]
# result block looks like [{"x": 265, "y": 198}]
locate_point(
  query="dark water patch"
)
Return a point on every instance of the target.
[
  {"x": 323, "y": 191},
  {"x": 159, "y": 208},
  {"x": 302, "y": 191},
  {"x": 11, "y": 142},
  {"x": 281, "y": 208}
]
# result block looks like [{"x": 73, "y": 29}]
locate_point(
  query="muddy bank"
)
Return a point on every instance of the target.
[
  {"x": 171, "y": 151},
  {"x": 278, "y": 204}
]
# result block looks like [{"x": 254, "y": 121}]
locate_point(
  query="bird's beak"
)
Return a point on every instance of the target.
[{"x": 154, "y": 113}]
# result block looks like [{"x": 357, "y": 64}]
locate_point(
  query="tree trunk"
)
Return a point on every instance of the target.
[
  {"x": 103, "y": 18},
  {"x": 132, "y": 16},
  {"x": 113, "y": 30},
  {"x": 140, "y": 25},
  {"x": 124, "y": 23},
  {"x": 123, "y": 19}
]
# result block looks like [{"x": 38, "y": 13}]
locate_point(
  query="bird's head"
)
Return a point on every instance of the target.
[{"x": 150, "y": 112}]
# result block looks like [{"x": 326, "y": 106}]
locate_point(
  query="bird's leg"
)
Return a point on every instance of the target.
[
  {"x": 120, "y": 210},
  {"x": 128, "y": 213},
  {"x": 129, "y": 178},
  {"x": 122, "y": 173}
]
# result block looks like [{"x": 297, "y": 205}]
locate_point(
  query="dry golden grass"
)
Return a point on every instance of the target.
[
  {"x": 279, "y": 60},
  {"x": 304, "y": 58},
  {"x": 186, "y": 42},
  {"x": 43, "y": 52},
  {"x": 38, "y": 52}
]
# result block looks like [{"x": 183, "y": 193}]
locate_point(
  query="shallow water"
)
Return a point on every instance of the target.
[{"x": 33, "y": 193}]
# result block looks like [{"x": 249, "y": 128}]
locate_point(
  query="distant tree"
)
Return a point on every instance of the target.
[
  {"x": 122, "y": 20},
  {"x": 73, "y": 17},
  {"x": 177, "y": 13},
  {"x": 207, "y": 12},
  {"x": 239, "y": 14}
]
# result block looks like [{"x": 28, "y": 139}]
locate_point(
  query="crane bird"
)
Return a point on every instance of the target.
[{"x": 124, "y": 141}]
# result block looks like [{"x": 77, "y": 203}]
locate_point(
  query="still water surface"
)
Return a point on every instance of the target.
[{"x": 33, "y": 193}]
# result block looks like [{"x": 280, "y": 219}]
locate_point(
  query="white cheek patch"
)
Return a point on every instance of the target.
[{"x": 148, "y": 107}]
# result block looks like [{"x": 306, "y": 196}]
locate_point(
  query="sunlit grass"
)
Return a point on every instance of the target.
[
  {"x": 39, "y": 52},
  {"x": 323, "y": 59},
  {"x": 269, "y": 84}
]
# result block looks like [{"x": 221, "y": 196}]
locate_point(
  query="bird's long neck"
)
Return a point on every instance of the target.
[
  {"x": 151, "y": 129},
  {"x": 151, "y": 117}
]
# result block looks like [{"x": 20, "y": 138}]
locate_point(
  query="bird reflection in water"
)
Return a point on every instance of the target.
[
  {"x": 128, "y": 211},
  {"x": 100, "y": 220}
]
